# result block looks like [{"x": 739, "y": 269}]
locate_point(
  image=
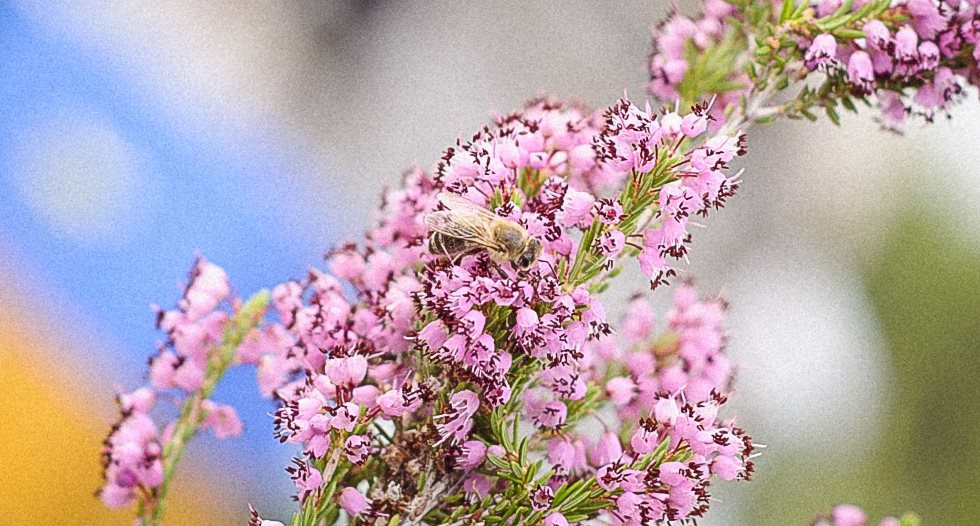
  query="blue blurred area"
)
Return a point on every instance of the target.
[{"x": 241, "y": 203}]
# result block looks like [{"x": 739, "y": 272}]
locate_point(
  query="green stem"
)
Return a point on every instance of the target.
[{"x": 191, "y": 414}]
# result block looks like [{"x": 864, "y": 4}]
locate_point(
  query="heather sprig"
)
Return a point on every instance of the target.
[
  {"x": 764, "y": 60},
  {"x": 139, "y": 460},
  {"x": 418, "y": 388},
  {"x": 499, "y": 365}
]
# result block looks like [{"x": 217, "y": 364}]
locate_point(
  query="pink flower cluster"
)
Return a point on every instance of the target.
[
  {"x": 193, "y": 330},
  {"x": 132, "y": 453},
  {"x": 699, "y": 447},
  {"x": 545, "y": 138},
  {"x": 933, "y": 54},
  {"x": 669, "y": 61},
  {"x": 848, "y": 515},
  {"x": 337, "y": 362},
  {"x": 634, "y": 140},
  {"x": 549, "y": 324},
  {"x": 687, "y": 358},
  {"x": 673, "y": 388}
]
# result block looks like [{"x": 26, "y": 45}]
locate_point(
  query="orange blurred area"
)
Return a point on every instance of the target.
[{"x": 51, "y": 436}]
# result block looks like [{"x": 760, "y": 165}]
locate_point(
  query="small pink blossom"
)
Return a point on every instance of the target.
[
  {"x": 471, "y": 454},
  {"x": 221, "y": 419},
  {"x": 353, "y": 502},
  {"x": 848, "y": 515},
  {"x": 455, "y": 425},
  {"x": 555, "y": 519},
  {"x": 346, "y": 371},
  {"x": 822, "y": 51},
  {"x": 357, "y": 448}
]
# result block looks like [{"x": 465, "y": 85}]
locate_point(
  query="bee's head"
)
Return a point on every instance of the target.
[{"x": 530, "y": 253}]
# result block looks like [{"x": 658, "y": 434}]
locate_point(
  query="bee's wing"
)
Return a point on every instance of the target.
[
  {"x": 458, "y": 203},
  {"x": 463, "y": 224}
]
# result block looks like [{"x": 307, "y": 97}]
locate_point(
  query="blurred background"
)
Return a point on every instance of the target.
[{"x": 135, "y": 135}]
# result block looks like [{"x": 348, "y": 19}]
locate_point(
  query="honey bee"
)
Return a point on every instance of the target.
[{"x": 466, "y": 227}]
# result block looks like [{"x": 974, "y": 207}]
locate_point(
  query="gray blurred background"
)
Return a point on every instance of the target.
[{"x": 850, "y": 256}]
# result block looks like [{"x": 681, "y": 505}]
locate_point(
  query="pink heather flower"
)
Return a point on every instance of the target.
[
  {"x": 455, "y": 425},
  {"x": 827, "y": 7},
  {"x": 670, "y": 124},
  {"x": 876, "y": 34},
  {"x": 620, "y": 390},
  {"x": 640, "y": 319},
  {"x": 609, "y": 212},
  {"x": 162, "y": 369},
  {"x": 353, "y": 502},
  {"x": 141, "y": 400},
  {"x": 255, "y": 520},
  {"x": 666, "y": 410},
  {"x": 306, "y": 477},
  {"x": 397, "y": 402},
  {"x": 367, "y": 396},
  {"x": 861, "y": 73},
  {"x": 576, "y": 208},
  {"x": 906, "y": 45},
  {"x": 347, "y": 264},
  {"x": 207, "y": 288},
  {"x": 272, "y": 373},
  {"x": 847, "y": 515},
  {"x": 189, "y": 376},
  {"x": 607, "y": 450},
  {"x": 893, "y": 110},
  {"x": 131, "y": 460},
  {"x": 549, "y": 415},
  {"x": 116, "y": 497},
  {"x": 926, "y": 18},
  {"x": 564, "y": 381},
  {"x": 694, "y": 124},
  {"x": 477, "y": 484},
  {"x": 822, "y": 51},
  {"x": 555, "y": 519},
  {"x": 259, "y": 342},
  {"x": 628, "y": 140},
  {"x": 928, "y": 55},
  {"x": 610, "y": 476},
  {"x": 527, "y": 318},
  {"x": 541, "y": 498},
  {"x": 566, "y": 455},
  {"x": 346, "y": 371},
  {"x": 358, "y": 448},
  {"x": 727, "y": 468},
  {"x": 221, "y": 419},
  {"x": 611, "y": 243},
  {"x": 471, "y": 454},
  {"x": 345, "y": 417}
]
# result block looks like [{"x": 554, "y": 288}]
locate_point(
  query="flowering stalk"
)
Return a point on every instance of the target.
[
  {"x": 911, "y": 57},
  {"x": 194, "y": 412},
  {"x": 202, "y": 342},
  {"x": 420, "y": 388}
]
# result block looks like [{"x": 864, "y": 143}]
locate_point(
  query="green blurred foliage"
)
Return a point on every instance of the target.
[
  {"x": 924, "y": 284},
  {"x": 926, "y": 291}
]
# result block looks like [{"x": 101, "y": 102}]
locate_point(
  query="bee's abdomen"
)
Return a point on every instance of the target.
[{"x": 443, "y": 245}]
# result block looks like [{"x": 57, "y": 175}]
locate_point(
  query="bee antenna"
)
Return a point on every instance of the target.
[{"x": 550, "y": 266}]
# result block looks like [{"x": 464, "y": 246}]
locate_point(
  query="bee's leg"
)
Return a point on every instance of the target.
[
  {"x": 500, "y": 270},
  {"x": 438, "y": 244}
]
